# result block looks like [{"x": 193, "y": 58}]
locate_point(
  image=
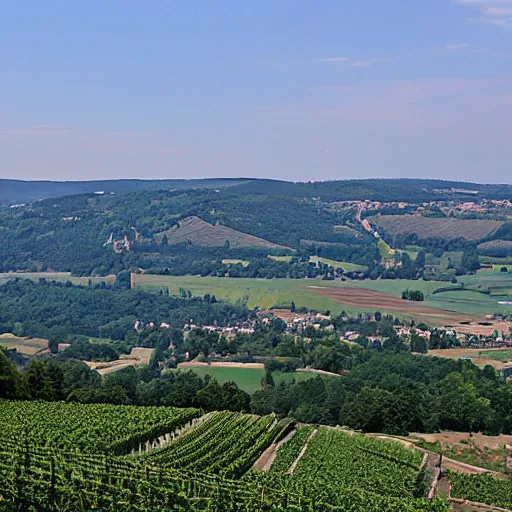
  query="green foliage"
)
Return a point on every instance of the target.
[
  {"x": 289, "y": 451},
  {"x": 414, "y": 295},
  {"x": 482, "y": 488},
  {"x": 88, "y": 428}
]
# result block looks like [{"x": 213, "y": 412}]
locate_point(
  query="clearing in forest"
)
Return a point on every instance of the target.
[{"x": 196, "y": 231}]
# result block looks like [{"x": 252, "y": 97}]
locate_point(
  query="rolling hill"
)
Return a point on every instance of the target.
[{"x": 13, "y": 192}]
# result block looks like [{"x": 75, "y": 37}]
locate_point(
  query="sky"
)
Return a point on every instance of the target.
[{"x": 298, "y": 90}]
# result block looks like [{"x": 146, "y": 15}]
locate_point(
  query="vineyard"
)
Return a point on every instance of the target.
[
  {"x": 88, "y": 428},
  {"x": 58, "y": 456},
  {"x": 427, "y": 227},
  {"x": 482, "y": 489},
  {"x": 226, "y": 443}
]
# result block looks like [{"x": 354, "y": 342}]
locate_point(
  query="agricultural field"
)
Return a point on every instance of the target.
[
  {"x": 55, "y": 276},
  {"x": 281, "y": 259},
  {"x": 204, "y": 466},
  {"x": 446, "y": 308},
  {"x": 335, "y": 460},
  {"x": 88, "y": 428},
  {"x": 482, "y": 489},
  {"x": 345, "y": 265},
  {"x": 497, "y": 355},
  {"x": 498, "y": 248},
  {"x": 218, "y": 442},
  {"x": 493, "y": 357},
  {"x": 248, "y": 379},
  {"x": 244, "y": 263},
  {"x": 198, "y": 232},
  {"x": 25, "y": 346},
  {"x": 428, "y": 227},
  {"x": 137, "y": 356}
]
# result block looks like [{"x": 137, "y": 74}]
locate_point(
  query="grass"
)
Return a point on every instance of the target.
[
  {"x": 248, "y": 379},
  {"x": 267, "y": 293},
  {"x": 346, "y": 266},
  {"x": 281, "y": 259},
  {"x": 501, "y": 355},
  {"x": 54, "y": 276},
  {"x": 244, "y": 263},
  {"x": 385, "y": 250}
]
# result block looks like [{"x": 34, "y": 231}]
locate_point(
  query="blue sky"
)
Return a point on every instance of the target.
[{"x": 297, "y": 90}]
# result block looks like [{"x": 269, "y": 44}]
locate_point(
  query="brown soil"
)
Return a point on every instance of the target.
[
  {"x": 451, "y": 438},
  {"x": 362, "y": 298},
  {"x": 485, "y": 330},
  {"x": 264, "y": 463},
  {"x": 136, "y": 357},
  {"x": 456, "y": 353}
]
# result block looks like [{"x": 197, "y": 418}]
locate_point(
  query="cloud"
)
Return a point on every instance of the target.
[
  {"x": 350, "y": 62},
  {"x": 492, "y": 12}
]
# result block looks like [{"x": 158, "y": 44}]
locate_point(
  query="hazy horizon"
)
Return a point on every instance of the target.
[{"x": 295, "y": 90}]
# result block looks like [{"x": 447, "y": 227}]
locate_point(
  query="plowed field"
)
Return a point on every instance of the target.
[{"x": 380, "y": 301}]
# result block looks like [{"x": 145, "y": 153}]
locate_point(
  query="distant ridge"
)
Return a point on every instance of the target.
[
  {"x": 198, "y": 232},
  {"x": 15, "y": 192},
  {"x": 21, "y": 192}
]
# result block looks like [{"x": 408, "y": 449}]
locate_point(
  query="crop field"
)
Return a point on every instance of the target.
[
  {"x": 497, "y": 355},
  {"x": 345, "y": 265},
  {"x": 492, "y": 357},
  {"x": 198, "y": 232},
  {"x": 500, "y": 248},
  {"x": 248, "y": 379},
  {"x": 88, "y": 428},
  {"x": 218, "y": 442},
  {"x": 427, "y": 227},
  {"x": 204, "y": 466},
  {"x": 54, "y": 276},
  {"x": 447, "y": 308},
  {"x": 26, "y": 346},
  {"x": 336, "y": 460},
  {"x": 244, "y": 263},
  {"x": 482, "y": 489},
  {"x": 281, "y": 259}
]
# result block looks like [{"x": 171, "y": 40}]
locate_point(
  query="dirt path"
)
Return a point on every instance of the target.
[
  {"x": 462, "y": 467},
  {"x": 264, "y": 463},
  {"x": 302, "y": 452}
]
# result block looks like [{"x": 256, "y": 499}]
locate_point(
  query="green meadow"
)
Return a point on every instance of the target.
[
  {"x": 345, "y": 265},
  {"x": 248, "y": 379},
  {"x": 267, "y": 293}
]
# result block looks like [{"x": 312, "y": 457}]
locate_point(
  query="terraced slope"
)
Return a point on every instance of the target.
[{"x": 206, "y": 468}]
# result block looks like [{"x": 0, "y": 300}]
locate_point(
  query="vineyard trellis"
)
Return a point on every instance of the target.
[{"x": 205, "y": 469}]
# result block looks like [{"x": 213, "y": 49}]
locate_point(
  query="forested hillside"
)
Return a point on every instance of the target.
[{"x": 181, "y": 230}]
